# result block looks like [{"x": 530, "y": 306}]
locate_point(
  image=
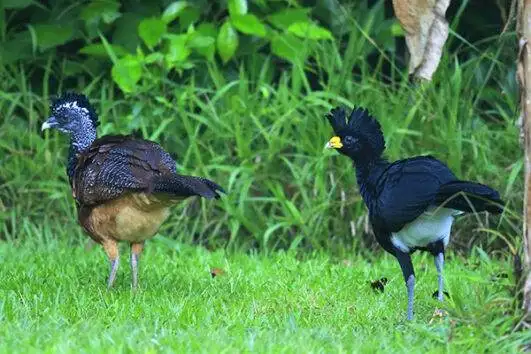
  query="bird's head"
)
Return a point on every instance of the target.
[
  {"x": 359, "y": 137},
  {"x": 73, "y": 114}
]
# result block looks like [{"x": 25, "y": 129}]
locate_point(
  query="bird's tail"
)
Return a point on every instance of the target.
[
  {"x": 469, "y": 197},
  {"x": 185, "y": 186}
]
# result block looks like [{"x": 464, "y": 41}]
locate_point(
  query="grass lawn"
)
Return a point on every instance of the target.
[{"x": 53, "y": 299}]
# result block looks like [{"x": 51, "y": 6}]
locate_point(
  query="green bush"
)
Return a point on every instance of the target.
[
  {"x": 221, "y": 87},
  {"x": 159, "y": 39}
]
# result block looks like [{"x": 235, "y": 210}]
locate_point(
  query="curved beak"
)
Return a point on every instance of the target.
[
  {"x": 334, "y": 143},
  {"x": 51, "y": 122}
]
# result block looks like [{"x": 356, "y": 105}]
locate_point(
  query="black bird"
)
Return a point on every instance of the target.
[
  {"x": 123, "y": 186},
  {"x": 412, "y": 202}
]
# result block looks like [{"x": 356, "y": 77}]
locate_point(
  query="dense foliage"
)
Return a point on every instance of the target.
[{"x": 236, "y": 91}]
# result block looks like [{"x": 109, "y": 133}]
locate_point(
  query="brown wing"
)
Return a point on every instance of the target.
[{"x": 117, "y": 164}]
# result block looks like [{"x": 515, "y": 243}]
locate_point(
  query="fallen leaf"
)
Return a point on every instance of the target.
[
  {"x": 426, "y": 32},
  {"x": 438, "y": 314},
  {"x": 214, "y": 272}
]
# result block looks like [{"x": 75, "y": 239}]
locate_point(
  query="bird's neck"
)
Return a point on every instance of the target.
[
  {"x": 367, "y": 174},
  {"x": 80, "y": 141}
]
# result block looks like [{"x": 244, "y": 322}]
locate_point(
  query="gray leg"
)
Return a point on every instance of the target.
[
  {"x": 439, "y": 264},
  {"x": 112, "y": 275},
  {"x": 134, "y": 269},
  {"x": 136, "y": 249},
  {"x": 410, "y": 284},
  {"x": 404, "y": 259},
  {"x": 111, "y": 248}
]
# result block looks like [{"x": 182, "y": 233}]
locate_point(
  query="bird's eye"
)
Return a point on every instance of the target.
[{"x": 348, "y": 140}]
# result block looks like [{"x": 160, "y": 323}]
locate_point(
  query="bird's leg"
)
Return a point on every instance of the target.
[
  {"x": 111, "y": 248},
  {"x": 439, "y": 264},
  {"x": 409, "y": 276},
  {"x": 136, "y": 249},
  {"x": 410, "y": 284}
]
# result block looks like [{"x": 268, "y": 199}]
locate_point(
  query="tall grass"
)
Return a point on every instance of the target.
[{"x": 259, "y": 132}]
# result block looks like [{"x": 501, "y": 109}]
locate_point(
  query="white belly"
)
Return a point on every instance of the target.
[{"x": 433, "y": 225}]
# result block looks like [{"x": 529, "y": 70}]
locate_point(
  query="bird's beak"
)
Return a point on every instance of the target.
[
  {"x": 334, "y": 143},
  {"x": 50, "y": 123}
]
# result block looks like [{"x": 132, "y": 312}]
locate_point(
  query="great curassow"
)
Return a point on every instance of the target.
[
  {"x": 412, "y": 202},
  {"x": 123, "y": 186}
]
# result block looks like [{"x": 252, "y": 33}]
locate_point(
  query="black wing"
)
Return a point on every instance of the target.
[{"x": 408, "y": 187}]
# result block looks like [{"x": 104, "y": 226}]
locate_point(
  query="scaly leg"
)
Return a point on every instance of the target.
[
  {"x": 439, "y": 264},
  {"x": 111, "y": 248},
  {"x": 409, "y": 276},
  {"x": 136, "y": 249}
]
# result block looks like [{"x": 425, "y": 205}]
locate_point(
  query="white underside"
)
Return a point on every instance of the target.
[{"x": 433, "y": 225}]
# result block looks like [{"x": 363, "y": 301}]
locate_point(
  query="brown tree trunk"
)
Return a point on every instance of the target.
[{"x": 524, "y": 78}]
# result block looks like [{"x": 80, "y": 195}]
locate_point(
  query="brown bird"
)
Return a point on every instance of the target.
[{"x": 123, "y": 186}]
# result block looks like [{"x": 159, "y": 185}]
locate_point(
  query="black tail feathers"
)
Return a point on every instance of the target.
[
  {"x": 469, "y": 197},
  {"x": 185, "y": 186}
]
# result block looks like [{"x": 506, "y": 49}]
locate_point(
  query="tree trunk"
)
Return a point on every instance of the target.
[
  {"x": 524, "y": 78},
  {"x": 426, "y": 32}
]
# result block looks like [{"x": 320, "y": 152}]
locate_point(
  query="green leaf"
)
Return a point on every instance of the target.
[
  {"x": 50, "y": 36},
  {"x": 227, "y": 42},
  {"x": 237, "y": 7},
  {"x": 309, "y": 30},
  {"x": 177, "y": 50},
  {"x": 173, "y": 11},
  {"x": 98, "y": 50},
  {"x": 199, "y": 41},
  {"x": 16, "y": 4},
  {"x": 284, "y": 18},
  {"x": 18, "y": 48},
  {"x": 123, "y": 33},
  {"x": 397, "y": 30},
  {"x": 289, "y": 47},
  {"x": 206, "y": 30},
  {"x": 249, "y": 24},
  {"x": 108, "y": 11},
  {"x": 188, "y": 16},
  {"x": 72, "y": 68},
  {"x": 126, "y": 73},
  {"x": 154, "y": 57},
  {"x": 151, "y": 31}
]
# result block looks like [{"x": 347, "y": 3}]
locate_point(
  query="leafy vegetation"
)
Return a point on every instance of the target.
[
  {"x": 237, "y": 91},
  {"x": 260, "y": 132}
]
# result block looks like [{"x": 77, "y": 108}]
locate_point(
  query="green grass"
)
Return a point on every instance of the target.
[
  {"x": 259, "y": 132},
  {"x": 53, "y": 300}
]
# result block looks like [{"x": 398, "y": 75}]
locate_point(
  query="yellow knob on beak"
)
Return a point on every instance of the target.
[{"x": 334, "y": 143}]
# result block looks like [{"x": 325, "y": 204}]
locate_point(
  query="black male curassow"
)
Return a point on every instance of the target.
[
  {"x": 123, "y": 186},
  {"x": 411, "y": 202}
]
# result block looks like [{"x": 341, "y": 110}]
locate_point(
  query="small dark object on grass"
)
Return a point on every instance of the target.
[
  {"x": 379, "y": 285},
  {"x": 499, "y": 276},
  {"x": 435, "y": 294}
]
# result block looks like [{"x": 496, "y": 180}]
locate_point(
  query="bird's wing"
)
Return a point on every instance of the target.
[
  {"x": 117, "y": 164},
  {"x": 407, "y": 188}
]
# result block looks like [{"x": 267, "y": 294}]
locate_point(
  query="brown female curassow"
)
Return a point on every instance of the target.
[{"x": 123, "y": 186}]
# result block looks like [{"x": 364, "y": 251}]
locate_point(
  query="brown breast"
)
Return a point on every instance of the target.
[{"x": 133, "y": 217}]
